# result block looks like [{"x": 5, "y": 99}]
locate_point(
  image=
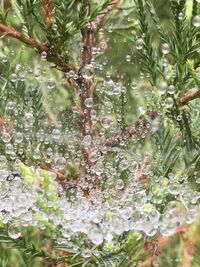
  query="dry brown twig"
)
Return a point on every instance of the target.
[
  {"x": 189, "y": 247},
  {"x": 137, "y": 129},
  {"x": 9, "y": 31},
  {"x": 101, "y": 17},
  {"x": 161, "y": 242},
  {"x": 193, "y": 94}
]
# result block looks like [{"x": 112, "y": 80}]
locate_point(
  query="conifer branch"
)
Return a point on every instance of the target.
[
  {"x": 137, "y": 129},
  {"x": 7, "y": 30},
  {"x": 48, "y": 13},
  {"x": 87, "y": 39},
  {"x": 189, "y": 97},
  {"x": 101, "y": 17}
]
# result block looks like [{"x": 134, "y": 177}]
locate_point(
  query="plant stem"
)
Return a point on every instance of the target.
[
  {"x": 189, "y": 97},
  {"x": 100, "y": 18},
  {"x": 7, "y": 30},
  {"x": 48, "y": 13}
]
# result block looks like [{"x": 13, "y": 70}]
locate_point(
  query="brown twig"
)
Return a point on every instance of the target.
[
  {"x": 161, "y": 242},
  {"x": 189, "y": 248},
  {"x": 7, "y": 30},
  {"x": 137, "y": 129},
  {"x": 100, "y": 18},
  {"x": 49, "y": 262},
  {"x": 48, "y": 13},
  {"x": 87, "y": 39},
  {"x": 189, "y": 97}
]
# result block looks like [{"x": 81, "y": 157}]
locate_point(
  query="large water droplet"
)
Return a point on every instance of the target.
[
  {"x": 14, "y": 231},
  {"x": 196, "y": 21}
]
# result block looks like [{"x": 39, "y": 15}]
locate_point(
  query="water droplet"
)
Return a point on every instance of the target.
[
  {"x": 174, "y": 188},
  {"x": 88, "y": 72},
  {"x": 169, "y": 102},
  {"x": 4, "y": 58},
  {"x": 154, "y": 215},
  {"x": 89, "y": 102},
  {"x": 14, "y": 231},
  {"x": 139, "y": 44},
  {"x": 96, "y": 236},
  {"x": 196, "y": 21},
  {"x": 87, "y": 140},
  {"x": 55, "y": 27},
  {"x": 36, "y": 154},
  {"x": 198, "y": 180},
  {"x": 56, "y": 134},
  {"x": 13, "y": 77},
  {"x": 106, "y": 122},
  {"x": 128, "y": 58},
  {"x": 163, "y": 86},
  {"x": 43, "y": 56},
  {"x": 119, "y": 184},
  {"x": 180, "y": 16},
  {"x": 171, "y": 90},
  {"x": 18, "y": 138},
  {"x": 6, "y": 137},
  {"x": 165, "y": 49},
  {"x": 50, "y": 84}
]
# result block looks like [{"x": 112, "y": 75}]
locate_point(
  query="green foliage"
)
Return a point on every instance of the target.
[{"x": 134, "y": 33}]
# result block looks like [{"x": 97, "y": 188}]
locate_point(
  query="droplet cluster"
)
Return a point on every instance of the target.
[{"x": 62, "y": 171}]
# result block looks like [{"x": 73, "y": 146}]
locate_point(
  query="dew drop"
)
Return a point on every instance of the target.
[
  {"x": 180, "y": 16},
  {"x": 55, "y": 27},
  {"x": 196, "y": 21},
  {"x": 163, "y": 88},
  {"x": 88, "y": 102},
  {"x": 139, "y": 44},
  {"x": 51, "y": 84},
  {"x": 169, "y": 102},
  {"x": 88, "y": 72},
  {"x": 171, "y": 90},
  {"x": 6, "y": 137},
  {"x": 13, "y": 77},
  {"x": 43, "y": 56},
  {"x": 128, "y": 58},
  {"x": 96, "y": 236},
  {"x": 119, "y": 184},
  {"x": 14, "y": 231},
  {"x": 198, "y": 180},
  {"x": 165, "y": 49}
]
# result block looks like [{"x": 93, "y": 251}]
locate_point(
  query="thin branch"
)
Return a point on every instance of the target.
[
  {"x": 87, "y": 39},
  {"x": 137, "y": 129},
  {"x": 7, "y": 30},
  {"x": 48, "y": 13},
  {"x": 161, "y": 242},
  {"x": 189, "y": 247},
  {"x": 100, "y": 18},
  {"x": 189, "y": 97},
  {"x": 87, "y": 45}
]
